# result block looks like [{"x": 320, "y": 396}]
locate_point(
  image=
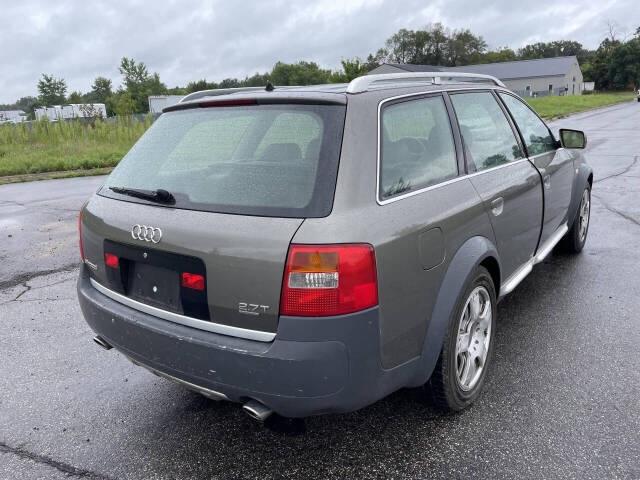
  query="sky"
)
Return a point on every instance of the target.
[{"x": 215, "y": 39}]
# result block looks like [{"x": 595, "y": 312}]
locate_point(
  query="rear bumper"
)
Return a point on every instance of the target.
[{"x": 314, "y": 365}]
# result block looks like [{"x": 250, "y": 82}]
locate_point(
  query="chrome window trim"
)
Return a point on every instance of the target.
[
  {"x": 183, "y": 319},
  {"x": 444, "y": 182}
]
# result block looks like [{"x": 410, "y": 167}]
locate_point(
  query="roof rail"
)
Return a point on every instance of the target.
[
  {"x": 218, "y": 91},
  {"x": 362, "y": 84}
]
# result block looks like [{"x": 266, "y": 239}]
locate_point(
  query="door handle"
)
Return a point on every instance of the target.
[
  {"x": 497, "y": 206},
  {"x": 547, "y": 181}
]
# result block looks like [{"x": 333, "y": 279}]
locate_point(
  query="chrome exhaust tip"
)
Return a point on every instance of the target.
[
  {"x": 102, "y": 342},
  {"x": 257, "y": 410}
]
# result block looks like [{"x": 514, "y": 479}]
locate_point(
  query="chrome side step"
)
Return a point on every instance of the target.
[
  {"x": 512, "y": 282},
  {"x": 545, "y": 249},
  {"x": 551, "y": 242}
]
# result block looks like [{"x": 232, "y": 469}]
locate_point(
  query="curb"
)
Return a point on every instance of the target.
[{"x": 30, "y": 177}]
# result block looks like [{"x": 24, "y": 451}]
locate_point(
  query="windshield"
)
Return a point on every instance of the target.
[{"x": 269, "y": 160}]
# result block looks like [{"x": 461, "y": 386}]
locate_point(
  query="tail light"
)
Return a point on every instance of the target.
[
  {"x": 323, "y": 280},
  {"x": 80, "y": 235}
]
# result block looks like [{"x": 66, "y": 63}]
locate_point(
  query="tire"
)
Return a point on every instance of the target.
[
  {"x": 576, "y": 237},
  {"x": 454, "y": 385}
]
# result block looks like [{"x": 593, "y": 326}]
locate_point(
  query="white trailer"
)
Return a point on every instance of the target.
[
  {"x": 72, "y": 110},
  {"x": 52, "y": 113},
  {"x": 158, "y": 102},
  {"x": 84, "y": 110},
  {"x": 12, "y": 116}
]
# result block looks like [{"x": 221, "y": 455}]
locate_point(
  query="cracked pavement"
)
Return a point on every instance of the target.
[{"x": 562, "y": 399}]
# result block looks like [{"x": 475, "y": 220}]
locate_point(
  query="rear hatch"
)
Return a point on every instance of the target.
[{"x": 236, "y": 180}]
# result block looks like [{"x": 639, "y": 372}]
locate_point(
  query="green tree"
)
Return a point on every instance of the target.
[
  {"x": 28, "y": 105},
  {"x": 374, "y": 61},
  {"x": 124, "y": 104},
  {"x": 402, "y": 46},
  {"x": 433, "y": 45},
  {"x": 177, "y": 91},
  {"x": 200, "y": 85},
  {"x": 51, "y": 90},
  {"x": 75, "y": 97},
  {"x": 139, "y": 83},
  {"x": 463, "y": 46},
  {"x": 350, "y": 69},
  {"x": 624, "y": 65},
  {"x": 100, "y": 90},
  {"x": 600, "y": 65},
  {"x": 504, "y": 54},
  {"x": 229, "y": 83},
  {"x": 301, "y": 73},
  {"x": 436, "y": 48},
  {"x": 556, "y": 48},
  {"x": 257, "y": 80}
]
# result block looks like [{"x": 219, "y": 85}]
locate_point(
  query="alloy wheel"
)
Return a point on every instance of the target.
[
  {"x": 585, "y": 211},
  {"x": 474, "y": 335}
]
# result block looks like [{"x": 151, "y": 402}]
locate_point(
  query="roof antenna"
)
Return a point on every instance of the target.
[{"x": 269, "y": 87}]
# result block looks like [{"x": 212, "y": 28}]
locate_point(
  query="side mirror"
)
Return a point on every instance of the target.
[{"x": 572, "y": 138}]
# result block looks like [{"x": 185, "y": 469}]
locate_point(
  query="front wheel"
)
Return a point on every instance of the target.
[
  {"x": 466, "y": 353},
  {"x": 576, "y": 237}
]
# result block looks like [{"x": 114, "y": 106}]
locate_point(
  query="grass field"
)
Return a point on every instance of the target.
[
  {"x": 550, "y": 107},
  {"x": 62, "y": 146},
  {"x": 74, "y": 149}
]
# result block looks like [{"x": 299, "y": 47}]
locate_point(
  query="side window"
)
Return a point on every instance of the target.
[
  {"x": 535, "y": 133},
  {"x": 417, "y": 146},
  {"x": 488, "y": 137}
]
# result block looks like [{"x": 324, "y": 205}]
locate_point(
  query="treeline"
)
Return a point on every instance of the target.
[
  {"x": 615, "y": 64},
  {"x": 132, "y": 96}
]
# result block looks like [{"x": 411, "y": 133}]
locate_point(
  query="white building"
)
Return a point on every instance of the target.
[
  {"x": 541, "y": 77},
  {"x": 158, "y": 102}
]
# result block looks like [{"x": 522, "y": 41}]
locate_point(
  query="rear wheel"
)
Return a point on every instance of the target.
[
  {"x": 466, "y": 353},
  {"x": 576, "y": 237}
]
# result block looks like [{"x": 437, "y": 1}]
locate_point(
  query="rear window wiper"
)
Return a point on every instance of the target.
[{"x": 159, "y": 195}]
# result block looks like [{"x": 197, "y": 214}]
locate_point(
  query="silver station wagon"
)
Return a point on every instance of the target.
[{"x": 308, "y": 250}]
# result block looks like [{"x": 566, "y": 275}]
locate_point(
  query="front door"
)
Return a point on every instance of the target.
[
  {"x": 507, "y": 182},
  {"x": 555, "y": 164}
]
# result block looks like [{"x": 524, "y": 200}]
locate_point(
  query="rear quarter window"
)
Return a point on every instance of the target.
[{"x": 417, "y": 147}]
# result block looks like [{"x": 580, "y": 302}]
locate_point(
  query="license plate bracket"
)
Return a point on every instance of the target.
[{"x": 156, "y": 286}]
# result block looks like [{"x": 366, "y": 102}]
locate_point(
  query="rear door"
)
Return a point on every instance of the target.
[
  {"x": 507, "y": 182},
  {"x": 555, "y": 164},
  {"x": 244, "y": 177}
]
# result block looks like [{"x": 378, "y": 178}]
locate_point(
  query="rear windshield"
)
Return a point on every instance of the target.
[{"x": 268, "y": 160}]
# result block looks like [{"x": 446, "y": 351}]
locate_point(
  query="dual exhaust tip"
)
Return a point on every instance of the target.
[
  {"x": 257, "y": 410},
  {"x": 253, "y": 408},
  {"x": 102, "y": 342}
]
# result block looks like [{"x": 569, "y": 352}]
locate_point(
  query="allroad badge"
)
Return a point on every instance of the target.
[{"x": 148, "y": 234}]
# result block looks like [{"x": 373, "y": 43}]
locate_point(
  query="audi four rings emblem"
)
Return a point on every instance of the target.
[{"x": 148, "y": 234}]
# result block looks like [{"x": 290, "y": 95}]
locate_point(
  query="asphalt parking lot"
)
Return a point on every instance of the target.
[{"x": 562, "y": 400}]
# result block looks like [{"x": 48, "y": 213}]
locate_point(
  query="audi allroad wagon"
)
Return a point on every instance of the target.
[{"x": 308, "y": 250}]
